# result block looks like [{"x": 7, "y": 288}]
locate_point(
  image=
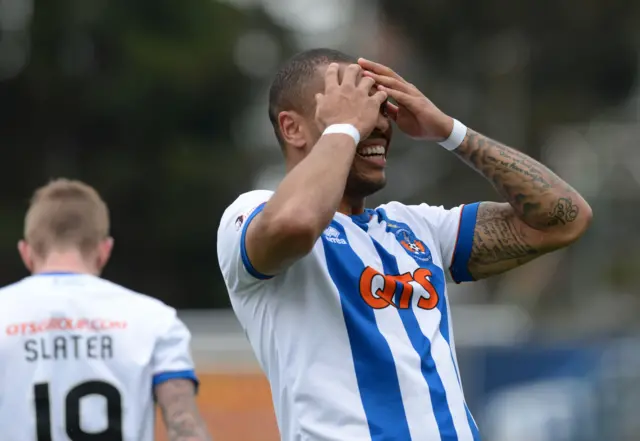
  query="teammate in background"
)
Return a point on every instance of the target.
[
  {"x": 346, "y": 307},
  {"x": 83, "y": 358}
]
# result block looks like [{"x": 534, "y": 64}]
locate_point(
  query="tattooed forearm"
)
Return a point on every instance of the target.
[
  {"x": 500, "y": 242},
  {"x": 543, "y": 212},
  {"x": 176, "y": 399},
  {"x": 539, "y": 197},
  {"x": 497, "y": 238}
]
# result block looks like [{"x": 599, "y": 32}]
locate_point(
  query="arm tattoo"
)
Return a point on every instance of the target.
[
  {"x": 499, "y": 242},
  {"x": 543, "y": 212},
  {"x": 182, "y": 419},
  {"x": 539, "y": 197},
  {"x": 564, "y": 211}
]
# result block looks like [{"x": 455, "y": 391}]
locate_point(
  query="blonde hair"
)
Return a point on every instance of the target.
[{"x": 66, "y": 215}]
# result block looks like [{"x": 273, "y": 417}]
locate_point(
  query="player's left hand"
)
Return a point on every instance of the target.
[{"x": 414, "y": 113}]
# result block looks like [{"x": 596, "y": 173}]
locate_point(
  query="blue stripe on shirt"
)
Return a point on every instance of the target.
[
  {"x": 439, "y": 283},
  {"x": 459, "y": 263},
  {"x": 243, "y": 246},
  {"x": 188, "y": 374},
  {"x": 58, "y": 273},
  {"x": 444, "y": 331},
  {"x": 375, "y": 368},
  {"x": 422, "y": 346}
]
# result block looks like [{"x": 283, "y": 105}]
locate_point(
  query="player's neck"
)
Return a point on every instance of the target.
[
  {"x": 64, "y": 262},
  {"x": 351, "y": 206}
]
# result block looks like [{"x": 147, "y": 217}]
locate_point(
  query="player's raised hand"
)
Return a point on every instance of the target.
[
  {"x": 414, "y": 113},
  {"x": 349, "y": 101}
]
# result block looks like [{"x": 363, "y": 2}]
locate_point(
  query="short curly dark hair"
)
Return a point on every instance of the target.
[{"x": 287, "y": 91}]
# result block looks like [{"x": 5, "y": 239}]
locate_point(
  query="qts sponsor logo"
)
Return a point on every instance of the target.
[{"x": 382, "y": 290}]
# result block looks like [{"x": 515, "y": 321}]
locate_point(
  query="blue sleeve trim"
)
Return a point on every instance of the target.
[
  {"x": 462, "y": 252},
  {"x": 172, "y": 375},
  {"x": 243, "y": 246}
]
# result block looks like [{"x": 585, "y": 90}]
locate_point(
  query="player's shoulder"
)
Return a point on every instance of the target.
[
  {"x": 15, "y": 293},
  {"x": 422, "y": 210},
  {"x": 416, "y": 216},
  {"x": 393, "y": 206},
  {"x": 13, "y": 288},
  {"x": 96, "y": 290},
  {"x": 396, "y": 205},
  {"x": 133, "y": 298},
  {"x": 398, "y": 211},
  {"x": 237, "y": 212},
  {"x": 250, "y": 199}
]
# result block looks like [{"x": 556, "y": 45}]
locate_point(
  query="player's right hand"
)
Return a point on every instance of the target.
[{"x": 349, "y": 101}]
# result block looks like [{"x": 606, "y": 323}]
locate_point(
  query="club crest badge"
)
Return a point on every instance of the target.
[{"x": 411, "y": 244}]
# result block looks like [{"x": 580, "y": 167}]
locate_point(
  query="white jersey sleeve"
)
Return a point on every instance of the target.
[
  {"x": 453, "y": 230},
  {"x": 172, "y": 354},
  {"x": 237, "y": 270}
]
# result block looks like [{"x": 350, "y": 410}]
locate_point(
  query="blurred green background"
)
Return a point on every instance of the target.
[{"x": 162, "y": 106}]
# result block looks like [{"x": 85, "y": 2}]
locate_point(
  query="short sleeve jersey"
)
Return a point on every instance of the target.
[
  {"x": 81, "y": 356},
  {"x": 355, "y": 338}
]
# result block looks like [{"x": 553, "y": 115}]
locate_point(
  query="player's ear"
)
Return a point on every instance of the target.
[
  {"x": 104, "y": 252},
  {"x": 25, "y": 254},
  {"x": 292, "y": 128}
]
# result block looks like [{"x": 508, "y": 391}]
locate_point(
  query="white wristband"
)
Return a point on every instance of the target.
[
  {"x": 457, "y": 136},
  {"x": 345, "y": 129}
]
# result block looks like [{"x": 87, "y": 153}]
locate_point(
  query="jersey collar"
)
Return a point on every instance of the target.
[
  {"x": 364, "y": 217},
  {"x": 57, "y": 273}
]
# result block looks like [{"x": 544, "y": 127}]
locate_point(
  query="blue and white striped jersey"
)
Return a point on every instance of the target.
[{"x": 355, "y": 338}]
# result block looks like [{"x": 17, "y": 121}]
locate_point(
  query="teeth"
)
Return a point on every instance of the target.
[{"x": 371, "y": 150}]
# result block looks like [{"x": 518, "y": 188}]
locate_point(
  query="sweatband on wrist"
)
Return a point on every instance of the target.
[
  {"x": 345, "y": 129},
  {"x": 456, "y": 137}
]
